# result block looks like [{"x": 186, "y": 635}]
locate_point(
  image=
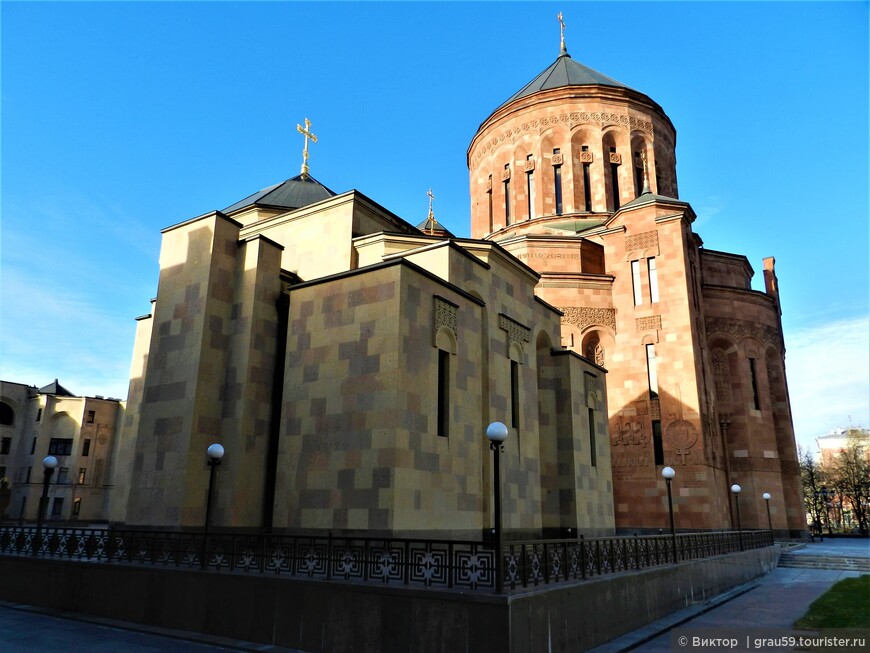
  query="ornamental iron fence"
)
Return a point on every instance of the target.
[{"x": 443, "y": 564}]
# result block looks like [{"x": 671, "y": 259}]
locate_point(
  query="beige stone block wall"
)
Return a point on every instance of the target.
[{"x": 181, "y": 406}]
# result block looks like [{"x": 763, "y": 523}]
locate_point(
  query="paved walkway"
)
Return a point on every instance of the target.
[
  {"x": 773, "y": 602},
  {"x": 770, "y": 604}
]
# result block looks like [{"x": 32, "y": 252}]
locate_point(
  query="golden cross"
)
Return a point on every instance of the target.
[
  {"x": 431, "y": 197},
  {"x": 561, "y": 31},
  {"x": 307, "y": 133}
]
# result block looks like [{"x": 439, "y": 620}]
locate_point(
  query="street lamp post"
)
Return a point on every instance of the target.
[
  {"x": 215, "y": 453},
  {"x": 48, "y": 465},
  {"x": 766, "y": 497},
  {"x": 497, "y": 433},
  {"x": 736, "y": 490},
  {"x": 668, "y": 474}
]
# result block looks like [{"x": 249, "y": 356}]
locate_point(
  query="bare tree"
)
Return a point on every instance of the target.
[{"x": 849, "y": 472}]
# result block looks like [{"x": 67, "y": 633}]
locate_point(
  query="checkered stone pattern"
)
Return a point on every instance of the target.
[{"x": 359, "y": 428}]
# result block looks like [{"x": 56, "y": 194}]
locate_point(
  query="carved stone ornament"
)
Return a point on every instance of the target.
[
  {"x": 592, "y": 390},
  {"x": 445, "y": 314},
  {"x": 629, "y": 433},
  {"x": 649, "y": 323},
  {"x": 585, "y": 157},
  {"x": 584, "y": 316},
  {"x": 742, "y": 328},
  {"x": 516, "y": 332},
  {"x": 601, "y": 118},
  {"x": 488, "y": 184},
  {"x": 616, "y": 158},
  {"x": 530, "y": 165},
  {"x": 557, "y": 159},
  {"x": 641, "y": 241},
  {"x": 505, "y": 174},
  {"x": 681, "y": 436}
]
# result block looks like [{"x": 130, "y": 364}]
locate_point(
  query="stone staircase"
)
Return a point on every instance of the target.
[{"x": 807, "y": 561}]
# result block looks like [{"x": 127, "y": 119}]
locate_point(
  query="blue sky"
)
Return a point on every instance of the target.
[{"x": 120, "y": 119}]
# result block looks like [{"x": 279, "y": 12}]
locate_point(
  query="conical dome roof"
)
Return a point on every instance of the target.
[
  {"x": 294, "y": 193},
  {"x": 564, "y": 72}
]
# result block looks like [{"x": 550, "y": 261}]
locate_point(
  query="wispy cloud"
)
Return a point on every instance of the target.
[
  {"x": 48, "y": 332},
  {"x": 828, "y": 369}
]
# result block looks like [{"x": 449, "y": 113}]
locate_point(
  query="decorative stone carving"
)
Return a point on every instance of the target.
[
  {"x": 644, "y": 240},
  {"x": 445, "y": 314},
  {"x": 505, "y": 174},
  {"x": 721, "y": 376},
  {"x": 742, "y": 329},
  {"x": 630, "y": 433},
  {"x": 594, "y": 351},
  {"x": 592, "y": 390},
  {"x": 649, "y": 323},
  {"x": 557, "y": 159},
  {"x": 530, "y": 165},
  {"x": 681, "y": 436},
  {"x": 517, "y": 332},
  {"x": 586, "y": 157},
  {"x": 615, "y": 158},
  {"x": 584, "y": 316},
  {"x": 571, "y": 119}
]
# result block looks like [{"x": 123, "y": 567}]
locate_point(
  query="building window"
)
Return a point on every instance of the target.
[
  {"x": 27, "y": 474},
  {"x": 515, "y": 394},
  {"x": 653, "y": 279},
  {"x": 86, "y": 447},
  {"x": 77, "y": 506},
  {"x": 82, "y": 473},
  {"x": 39, "y": 414},
  {"x": 2, "y": 471},
  {"x": 33, "y": 447},
  {"x": 557, "y": 183},
  {"x": 5, "y": 445},
  {"x": 635, "y": 283},
  {"x": 593, "y": 458},
  {"x": 7, "y": 415},
  {"x": 530, "y": 184},
  {"x": 443, "y": 393},
  {"x": 57, "y": 507},
  {"x": 587, "y": 188},
  {"x": 91, "y": 415},
  {"x": 652, "y": 376},
  {"x": 614, "y": 181},
  {"x": 658, "y": 449},
  {"x": 60, "y": 446},
  {"x": 507, "y": 194},
  {"x": 62, "y": 475},
  {"x": 754, "y": 380},
  {"x": 489, "y": 201}
]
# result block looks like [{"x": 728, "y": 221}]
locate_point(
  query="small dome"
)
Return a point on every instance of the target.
[{"x": 294, "y": 193}]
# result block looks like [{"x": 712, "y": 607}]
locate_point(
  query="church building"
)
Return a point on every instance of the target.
[
  {"x": 350, "y": 362},
  {"x": 575, "y": 175}
]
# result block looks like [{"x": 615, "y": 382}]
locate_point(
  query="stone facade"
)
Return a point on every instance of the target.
[
  {"x": 78, "y": 431},
  {"x": 350, "y": 364},
  {"x": 579, "y": 182}
]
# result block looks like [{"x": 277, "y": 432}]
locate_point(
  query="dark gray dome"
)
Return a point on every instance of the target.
[
  {"x": 294, "y": 193},
  {"x": 564, "y": 72}
]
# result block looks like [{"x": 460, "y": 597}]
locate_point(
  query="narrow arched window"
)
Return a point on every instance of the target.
[
  {"x": 615, "y": 160},
  {"x": 530, "y": 185},
  {"x": 557, "y": 179},
  {"x": 587, "y": 188},
  {"x": 506, "y": 177}
]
